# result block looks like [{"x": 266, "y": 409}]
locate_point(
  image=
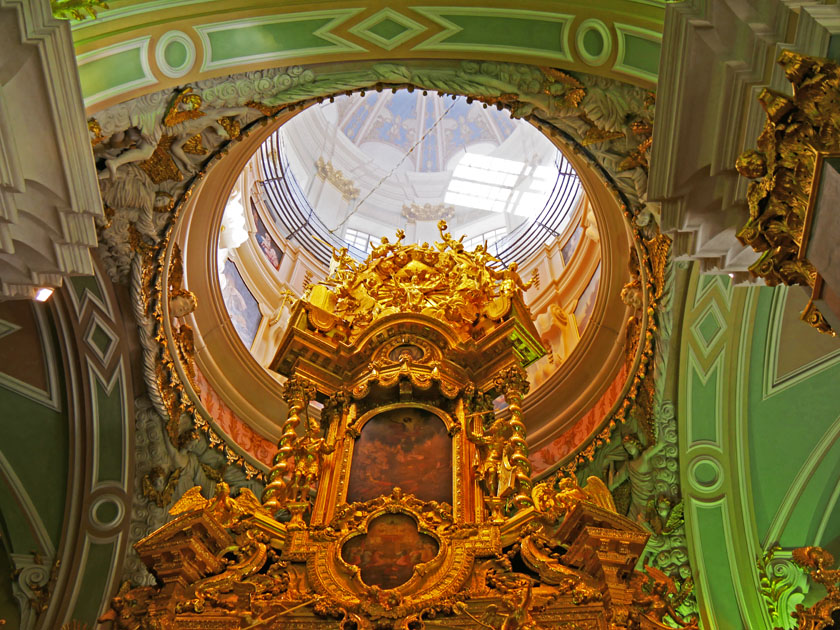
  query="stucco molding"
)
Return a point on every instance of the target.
[{"x": 49, "y": 196}]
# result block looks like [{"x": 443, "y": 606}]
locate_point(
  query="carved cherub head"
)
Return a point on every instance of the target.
[
  {"x": 182, "y": 303},
  {"x": 751, "y": 164}
]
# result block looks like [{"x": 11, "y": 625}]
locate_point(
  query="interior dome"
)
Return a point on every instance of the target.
[
  {"x": 264, "y": 226},
  {"x": 371, "y": 163}
]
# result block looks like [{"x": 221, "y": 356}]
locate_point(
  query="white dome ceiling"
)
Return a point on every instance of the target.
[{"x": 404, "y": 160}]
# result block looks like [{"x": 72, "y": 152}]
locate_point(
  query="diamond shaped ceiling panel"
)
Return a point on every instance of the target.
[{"x": 387, "y": 29}]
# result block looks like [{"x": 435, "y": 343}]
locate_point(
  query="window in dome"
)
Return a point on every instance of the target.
[
  {"x": 357, "y": 239},
  {"x": 499, "y": 185},
  {"x": 488, "y": 237}
]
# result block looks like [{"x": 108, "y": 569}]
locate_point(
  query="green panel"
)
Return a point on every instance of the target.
[
  {"x": 111, "y": 71},
  {"x": 82, "y": 283},
  {"x": 706, "y": 473},
  {"x": 703, "y": 405},
  {"x": 777, "y": 453},
  {"x": 593, "y": 42},
  {"x": 9, "y": 608},
  {"x": 709, "y": 327},
  {"x": 831, "y": 537},
  {"x": 34, "y": 440},
  {"x": 642, "y": 53},
  {"x": 710, "y": 529},
  {"x": 533, "y": 34},
  {"x": 704, "y": 281},
  {"x": 175, "y": 54},
  {"x": 16, "y": 532},
  {"x": 806, "y": 517},
  {"x": 387, "y": 29},
  {"x": 94, "y": 582},
  {"x": 107, "y": 512},
  {"x": 101, "y": 339},
  {"x": 110, "y": 432},
  {"x": 267, "y": 39},
  {"x": 833, "y": 48}
]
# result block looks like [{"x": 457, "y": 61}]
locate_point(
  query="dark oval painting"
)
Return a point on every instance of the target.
[
  {"x": 415, "y": 353},
  {"x": 407, "y": 448},
  {"x": 390, "y": 550}
]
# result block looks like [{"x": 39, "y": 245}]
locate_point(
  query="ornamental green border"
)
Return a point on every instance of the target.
[
  {"x": 340, "y": 45},
  {"x": 593, "y": 24},
  {"x": 160, "y": 54},
  {"x": 141, "y": 46},
  {"x": 437, "y": 43},
  {"x": 623, "y": 31}
]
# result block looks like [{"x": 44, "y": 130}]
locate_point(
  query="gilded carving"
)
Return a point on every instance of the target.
[
  {"x": 159, "y": 487},
  {"x": 443, "y": 281},
  {"x": 76, "y": 9},
  {"x": 428, "y": 212},
  {"x": 578, "y": 108},
  {"x": 326, "y": 171},
  {"x": 784, "y": 167},
  {"x": 782, "y": 585},
  {"x": 656, "y": 599},
  {"x": 401, "y": 558},
  {"x": 817, "y": 562},
  {"x": 297, "y": 462}
]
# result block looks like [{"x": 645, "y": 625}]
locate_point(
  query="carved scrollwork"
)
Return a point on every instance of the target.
[{"x": 823, "y": 614}]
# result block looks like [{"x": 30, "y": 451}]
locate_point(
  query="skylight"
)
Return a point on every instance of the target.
[
  {"x": 494, "y": 184},
  {"x": 411, "y": 161},
  {"x": 359, "y": 240}
]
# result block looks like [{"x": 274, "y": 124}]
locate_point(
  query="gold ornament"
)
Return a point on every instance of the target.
[{"x": 786, "y": 166}]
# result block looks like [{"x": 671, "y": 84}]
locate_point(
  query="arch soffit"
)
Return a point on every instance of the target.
[
  {"x": 744, "y": 490},
  {"x": 141, "y": 49}
]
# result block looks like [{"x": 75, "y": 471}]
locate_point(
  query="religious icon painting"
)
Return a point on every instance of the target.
[
  {"x": 406, "y": 350},
  {"x": 407, "y": 447},
  {"x": 267, "y": 245},
  {"x": 389, "y": 551}
]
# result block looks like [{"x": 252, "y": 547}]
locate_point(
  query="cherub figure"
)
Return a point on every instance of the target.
[
  {"x": 183, "y": 120},
  {"x": 511, "y": 283},
  {"x": 517, "y": 602}
]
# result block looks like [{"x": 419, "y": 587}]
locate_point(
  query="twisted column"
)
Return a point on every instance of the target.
[
  {"x": 513, "y": 384},
  {"x": 297, "y": 392}
]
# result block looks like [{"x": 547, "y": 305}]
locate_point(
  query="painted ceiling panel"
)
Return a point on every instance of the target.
[{"x": 778, "y": 455}]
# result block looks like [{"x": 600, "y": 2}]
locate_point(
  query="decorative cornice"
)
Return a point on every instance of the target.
[
  {"x": 326, "y": 171},
  {"x": 51, "y": 111},
  {"x": 428, "y": 212}
]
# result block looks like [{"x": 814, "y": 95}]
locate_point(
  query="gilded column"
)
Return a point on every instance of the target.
[
  {"x": 297, "y": 393},
  {"x": 513, "y": 383}
]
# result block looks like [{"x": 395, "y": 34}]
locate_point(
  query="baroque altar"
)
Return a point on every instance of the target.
[{"x": 401, "y": 493}]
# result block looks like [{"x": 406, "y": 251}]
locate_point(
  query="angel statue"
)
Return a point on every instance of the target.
[
  {"x": 183, "y": 120},
  {"x": 308, "y": 451},
  {"x": 494, "y": 470}
]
